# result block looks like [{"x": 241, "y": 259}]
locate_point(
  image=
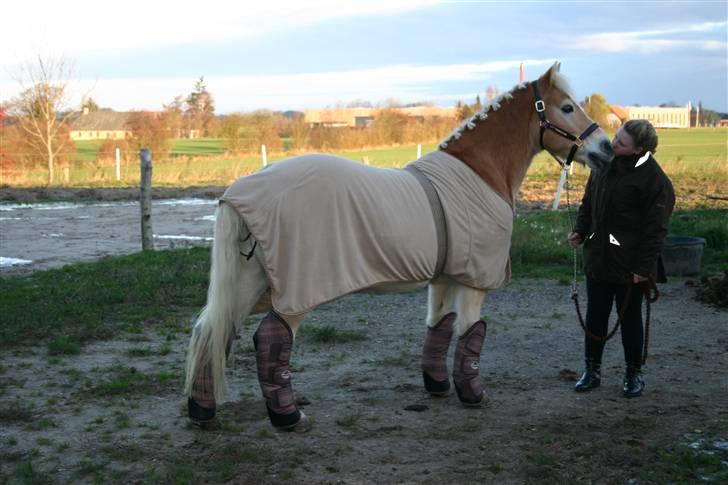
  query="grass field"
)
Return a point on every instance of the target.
[
  {"x": 696, "y": 160},
  {"x": 88, "y": 301}
]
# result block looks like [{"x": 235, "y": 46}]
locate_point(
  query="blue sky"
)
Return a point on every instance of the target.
[{"x": 298, "y": 54}]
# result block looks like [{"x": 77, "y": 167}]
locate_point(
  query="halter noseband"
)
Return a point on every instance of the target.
[{"x": 545, "y": 124}]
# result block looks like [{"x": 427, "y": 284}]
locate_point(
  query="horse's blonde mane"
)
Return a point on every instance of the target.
[
  {"x": 559, "y": 81},
  {"x": 482, "y": 114}
]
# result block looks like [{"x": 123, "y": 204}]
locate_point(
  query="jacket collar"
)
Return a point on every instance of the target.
[{"x": 630, "y": 162}]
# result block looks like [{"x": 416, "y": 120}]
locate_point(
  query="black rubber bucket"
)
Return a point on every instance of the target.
[{"x": 682, "y": 255}]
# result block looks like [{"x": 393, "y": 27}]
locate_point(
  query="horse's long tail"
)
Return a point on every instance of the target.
[{"x": 216, "y": 324}]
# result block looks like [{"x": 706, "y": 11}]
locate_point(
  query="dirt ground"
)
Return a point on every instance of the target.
[{"x": 115, "y": 413}]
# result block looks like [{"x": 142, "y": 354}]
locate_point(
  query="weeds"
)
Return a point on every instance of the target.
[
  {"x": 330, "y": 334},
  {"x": 350, "y": 420}
]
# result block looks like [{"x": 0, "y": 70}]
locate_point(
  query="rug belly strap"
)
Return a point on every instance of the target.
[{"x": 438, "y": 215}]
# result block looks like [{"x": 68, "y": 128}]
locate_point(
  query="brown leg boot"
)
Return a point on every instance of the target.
[
  {"x": 201, "y": 403},
  {"x": 434, "y": 356},
  {"x": 466, "y": 367},
  {"x": 273, "y": 342}
]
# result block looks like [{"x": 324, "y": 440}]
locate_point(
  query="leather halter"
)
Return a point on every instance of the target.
[{"x": 545, "y": 124}]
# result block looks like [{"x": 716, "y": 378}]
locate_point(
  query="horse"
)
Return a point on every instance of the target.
[{"x": 312, "y": 228}]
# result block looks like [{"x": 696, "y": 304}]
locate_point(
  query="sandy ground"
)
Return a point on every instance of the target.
[
  {"x": 115, "y": 412},
  {"x": 373, "y": 423},
  {"x": 51, "y": 234}
]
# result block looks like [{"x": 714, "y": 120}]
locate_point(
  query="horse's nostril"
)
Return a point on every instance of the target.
[{"x": 606, "y": 147}]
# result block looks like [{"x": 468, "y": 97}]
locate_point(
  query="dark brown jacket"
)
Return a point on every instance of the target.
[{"x": 623, "y": 220}]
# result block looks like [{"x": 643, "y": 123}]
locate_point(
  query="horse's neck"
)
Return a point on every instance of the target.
[{"x": 501, "y": 147}]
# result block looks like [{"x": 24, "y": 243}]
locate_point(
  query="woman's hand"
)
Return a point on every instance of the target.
[
  {"x": 636, "y": 279},
  {"x": 574, "y": 239}
]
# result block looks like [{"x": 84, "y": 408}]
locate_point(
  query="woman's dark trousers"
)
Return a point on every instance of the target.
[{"x": 601, "y": 295}]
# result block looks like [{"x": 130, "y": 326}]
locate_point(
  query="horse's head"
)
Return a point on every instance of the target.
[{"x": 565, "y": 130}]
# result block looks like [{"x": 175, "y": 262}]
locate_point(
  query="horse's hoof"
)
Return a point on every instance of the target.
[
  {"x": 302, "y": 426},
  {"x": 199, "y": 413},
  {"x": 468, "y": 400},
  {"x": 436, "y": 388},
  {"x": 208, "y": 425}
]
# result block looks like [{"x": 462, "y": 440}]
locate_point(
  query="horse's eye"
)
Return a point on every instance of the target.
[{"x": 567, "y": 108}]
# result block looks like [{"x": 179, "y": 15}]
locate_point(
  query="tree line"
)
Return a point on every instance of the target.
[{"x": 35, "y": 126}]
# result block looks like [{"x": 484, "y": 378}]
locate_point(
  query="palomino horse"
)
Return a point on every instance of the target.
[{"x": 312, "y": 228}]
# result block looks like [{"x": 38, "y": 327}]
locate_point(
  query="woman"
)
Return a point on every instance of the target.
[{"x": 622, "y": 222}]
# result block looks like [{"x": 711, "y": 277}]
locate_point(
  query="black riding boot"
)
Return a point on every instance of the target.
[
  {"x": 591, "y": 378},
  {"x": 633, "y": 383}
]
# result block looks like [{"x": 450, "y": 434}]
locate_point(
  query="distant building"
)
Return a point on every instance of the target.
[
  {"x": 363, "y": 117},
  {"x": 660, "y": 117},
  {"x": 100, "y": 125}
]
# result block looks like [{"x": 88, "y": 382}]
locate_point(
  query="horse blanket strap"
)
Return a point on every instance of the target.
[{"x": 437, "y": 214}]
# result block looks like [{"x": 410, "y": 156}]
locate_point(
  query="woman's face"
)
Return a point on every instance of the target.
[{"x": 623, "y": 144}]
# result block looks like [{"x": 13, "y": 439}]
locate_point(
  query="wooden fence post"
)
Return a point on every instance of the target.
[{"x": 145, "y": 158}]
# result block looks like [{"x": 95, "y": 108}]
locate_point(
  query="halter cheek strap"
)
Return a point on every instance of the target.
[{"x": 545, "y": 124}]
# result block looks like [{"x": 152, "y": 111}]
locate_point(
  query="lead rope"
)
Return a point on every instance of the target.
[{"x": 575, "y": 291}]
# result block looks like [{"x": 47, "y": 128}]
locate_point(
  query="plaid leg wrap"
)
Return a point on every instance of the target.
[
  {"x": 202, "y": 388},
  {"x": 466, "y": 369},
  {"x": 273, "y": 342},
  {"x": 434, "y": 355}
]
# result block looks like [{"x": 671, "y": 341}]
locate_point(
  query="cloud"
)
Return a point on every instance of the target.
[
  {"x": 650, "y": 41},
  {"x": 73, "y": 27},
  {"x": 404, "y": 82}
]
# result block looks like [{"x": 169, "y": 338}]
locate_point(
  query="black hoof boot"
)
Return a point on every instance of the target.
[
  {"x": 592, "y": 377},
  {"x": 633, "y": 383},
  {"x": 199, "y": 415}
]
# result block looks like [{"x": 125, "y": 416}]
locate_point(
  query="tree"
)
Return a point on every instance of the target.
[
  {"x": 40, "y": 110},
  {"x": 300, "y": 132},
  {"x": 232, "y": 133},
  {"x": 174, "y": 115},
  {"x": 200, "y": 107},
  {"x": 707, "y": 117},
  {"x": 89, "y": 105},
  {"x": 149, "y": 130},
  {"x": 597, "y": 108}
]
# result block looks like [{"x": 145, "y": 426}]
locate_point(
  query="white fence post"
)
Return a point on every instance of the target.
[
  {"x": 265, "y": 158},
  {"x": 557, "y": 198},
  {"x": 118, "y": 164},
  {"x": 419, "y": 151}
]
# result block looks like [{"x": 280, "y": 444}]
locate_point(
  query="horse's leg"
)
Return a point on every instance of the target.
[
  {"x": 440, "y": 319},
  {"x": 466, "y": 362},
  {"x": 273, "y": 344},
  {"x": 236, "y": 284}
]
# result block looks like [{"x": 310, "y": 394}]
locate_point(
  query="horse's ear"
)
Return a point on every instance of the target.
[{"x": 548, "y": 76}]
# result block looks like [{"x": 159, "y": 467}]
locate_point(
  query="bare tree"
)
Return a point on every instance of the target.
[
  {"x": 40, "y": 108},
  {"x": 597, "y": 108}
]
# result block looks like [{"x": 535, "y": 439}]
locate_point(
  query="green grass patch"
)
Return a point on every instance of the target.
[
  {"x": 119, "y": 380},
  {"x": 25, "y": 472},
  {"x": 539, "y": 248},
  {"x": 330, "y": 334},
  {"x": 86, "y": 301},
  {"x": 160, "y": 290},
  {"x": 350, "y": 420},
  {"x": 685, "y": 465},
  {"x": 64, "y": 345}
]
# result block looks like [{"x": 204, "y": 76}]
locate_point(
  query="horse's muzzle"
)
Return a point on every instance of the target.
[{"x": 599, "y": 161}]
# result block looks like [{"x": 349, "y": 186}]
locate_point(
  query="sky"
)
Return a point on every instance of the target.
[{"x": 297, "y": 55}]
